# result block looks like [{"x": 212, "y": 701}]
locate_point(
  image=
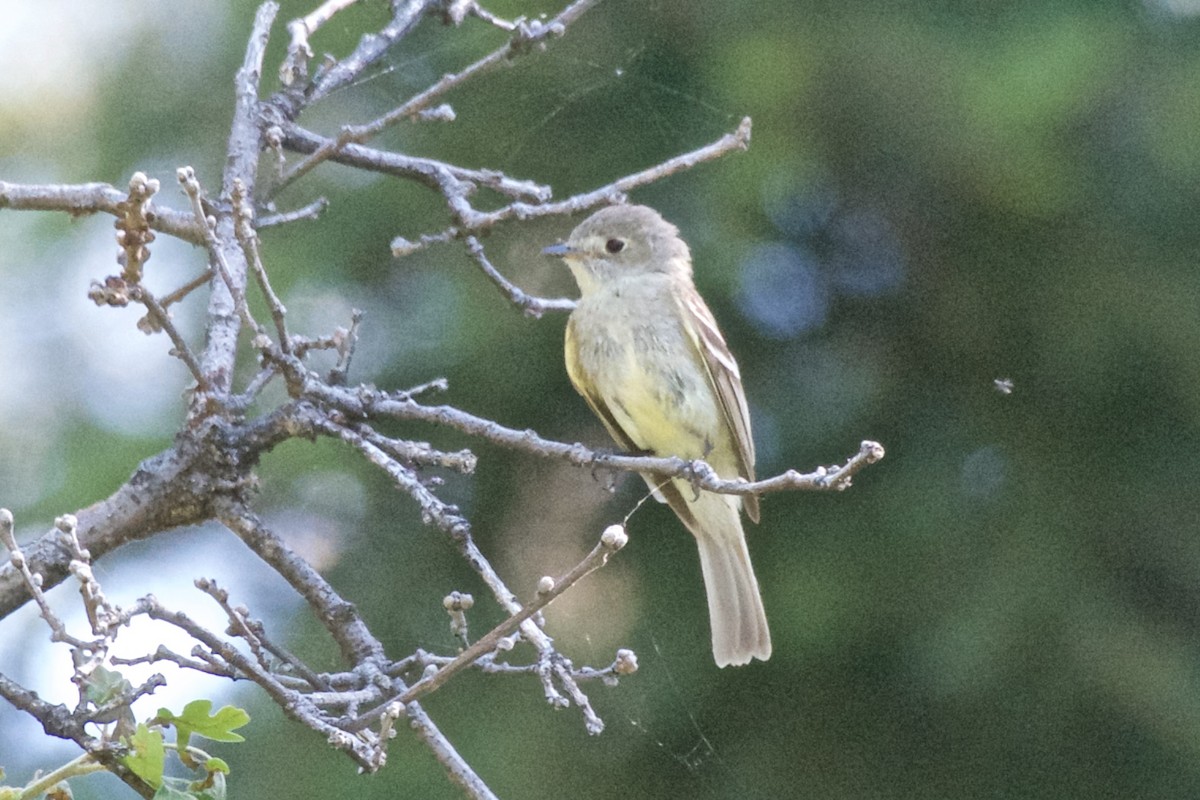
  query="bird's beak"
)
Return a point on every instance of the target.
[{"x": 561, "y": 249}]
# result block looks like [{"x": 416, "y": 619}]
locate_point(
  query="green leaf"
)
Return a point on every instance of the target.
[
  {"x": 215, "y": 764},
  {"x": 196, "y": 719},
  {"x": 148, "y": 756},
  {"x": 103, "y": 685}
]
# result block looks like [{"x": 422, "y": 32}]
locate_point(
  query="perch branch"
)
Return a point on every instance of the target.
[{"x": 366, "y": 402}]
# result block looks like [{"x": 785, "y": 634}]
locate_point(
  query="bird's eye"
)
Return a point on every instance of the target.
[{"x": 614, "y": 246}]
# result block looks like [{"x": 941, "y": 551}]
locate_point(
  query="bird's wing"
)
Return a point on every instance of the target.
[{"x": 726, "y": 380}]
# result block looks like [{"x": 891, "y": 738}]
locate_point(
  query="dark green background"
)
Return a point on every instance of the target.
[{"x": 938, "y": 195}]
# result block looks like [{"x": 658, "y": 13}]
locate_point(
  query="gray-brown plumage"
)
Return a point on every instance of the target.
[{"x": 645, "y": 352}]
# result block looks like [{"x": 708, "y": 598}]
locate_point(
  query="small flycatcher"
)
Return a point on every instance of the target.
[{"x": 645, "y": 352}]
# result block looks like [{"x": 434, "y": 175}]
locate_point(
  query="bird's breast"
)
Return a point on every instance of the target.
[{"x": 644, "y": 368}]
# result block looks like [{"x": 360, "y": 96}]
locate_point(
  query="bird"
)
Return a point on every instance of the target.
[{"x": 645, "y": 352}]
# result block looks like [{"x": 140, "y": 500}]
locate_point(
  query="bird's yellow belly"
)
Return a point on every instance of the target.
[{"x": 668, "y": 411}]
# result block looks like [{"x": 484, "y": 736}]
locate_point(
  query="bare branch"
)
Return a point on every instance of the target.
[
  {"x": 295, "y": 67},
  {"x": 339, "y": 617},
  {"x": 243, "y": 211},
  {"x": 44, "y": 785},
  {"x": 311, "y": 211},
  {"x": 370, "y": 49},
  {"x": 471, "y": 221},
  {"x": 457, "y": 767},
  {"x": 368, "y": 402},
  {"x": 419, "y": 453},
  {"x": 614, "y": 192},
  {"x": 161, "y": 320},
  {"x": 349, "y": 341},
  {"x": 183, "y": 291},
  {"x": 33, "y": 583},
  {"x": 253, "y": 633},
  {"x": 459, "y": 9},
  {"x": 92, "y": 198},
  {"x": 532, "y": 306},
  {"x": 527, "y": 37},
  {"x": 162, "y": 653},
  {"x": 612, "y": 540},
  {"x": 433, "y": 510},
  {"x": 245, "y": 142},
  {"x": 430, "y": 172},
  {"x": 216, "y": 248},
  {"x": 552, "y": 666},
  {"x": 403, "y": 247},
  {"x": 295, "y": 704}
]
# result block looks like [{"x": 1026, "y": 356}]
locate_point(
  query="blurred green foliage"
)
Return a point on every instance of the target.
[{"x": 1007, "y": 606}]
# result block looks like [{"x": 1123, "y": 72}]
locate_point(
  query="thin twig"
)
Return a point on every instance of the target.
[
  {"x": 162, "y": 653},
  {"x": 419, "y": 453},
  {"x": 345, "y": 349},
  {"x": 33, "y": 583},
  {"x": 195, "y": 283},
  {"x": 613, "y": 539},
  {"x": 162, "y": 321},
  {"x": 243, "y": 227},
  {"x": 216, "y": 250},
  {"x": 253, "y": 633},
  {"x": 477, "y": 221},
  {"x": 339, "y": 617},
  {"x": 433, "y": 510},
  {"x": 430, "y": 172},
  {"x": 526, "y": 38},
  {"x": 43, "y": 784},
  {"x": 345, "y": 71},
  {"x": 366, "y": 402},
  {"x": 532, "y": 306},
  {"x": 470, "y": 221},
  {"x": 456, "y": 766},
  {"x": 405, "y": 247},
  {"x": 95, "y": 198},
  {"x": 474, "y": 9},
  {"x": 295, "y": 65},
  {"x": 311, "y": 211},
  {"x": 254, "y": 387}
]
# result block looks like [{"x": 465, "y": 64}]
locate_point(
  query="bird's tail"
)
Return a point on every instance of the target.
[{"x": 735, "y": 609}]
